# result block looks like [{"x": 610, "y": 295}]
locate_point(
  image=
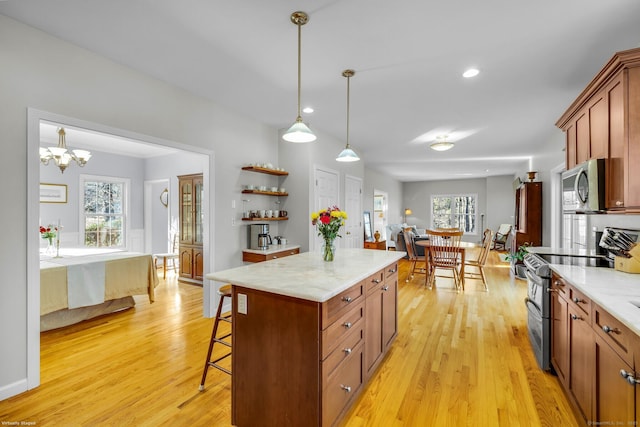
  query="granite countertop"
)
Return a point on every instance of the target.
[
  {"x": 272, "y": 249},
  {"x": 615, "y": 291},
  {"x": 306, "y": 275}
]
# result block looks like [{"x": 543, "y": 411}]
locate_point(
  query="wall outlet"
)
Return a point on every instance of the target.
[{"x": 242, "y": 304}]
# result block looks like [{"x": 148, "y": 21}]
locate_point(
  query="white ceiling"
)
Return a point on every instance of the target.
[{"x": 535, "y": 57}]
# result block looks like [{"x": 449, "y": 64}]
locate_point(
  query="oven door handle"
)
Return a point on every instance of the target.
[
  {"x": 535, "y": 279},
  {"x": 531, "y": 303}
]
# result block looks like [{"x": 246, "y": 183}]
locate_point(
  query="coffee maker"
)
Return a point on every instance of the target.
[{"x": 258, "y": 236}]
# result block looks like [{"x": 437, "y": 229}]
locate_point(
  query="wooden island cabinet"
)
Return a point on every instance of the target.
[{"x": 307, "y": 334}]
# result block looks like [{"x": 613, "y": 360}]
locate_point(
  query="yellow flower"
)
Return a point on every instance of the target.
[
  {"x": 314, "y": 215},
  {"x": 344, "y": 215},
  {"x": 335, "y": 214}
]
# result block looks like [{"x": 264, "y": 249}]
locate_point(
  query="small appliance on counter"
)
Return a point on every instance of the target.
[
  {"x": 619, "y": 246},
  {"x": 258, "y": 236}
]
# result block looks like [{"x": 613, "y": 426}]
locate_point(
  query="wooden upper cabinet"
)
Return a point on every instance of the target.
[{"x": 604, "y": 122}]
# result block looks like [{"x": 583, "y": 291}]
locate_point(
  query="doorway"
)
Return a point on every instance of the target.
[{"x": 34, "y": 137}]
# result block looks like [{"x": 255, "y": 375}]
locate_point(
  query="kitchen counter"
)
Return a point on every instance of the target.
[
  {"x": 615, "y": 291},
  {"x": 272, "y": 249},
  {"x": 306, "y": 275}
]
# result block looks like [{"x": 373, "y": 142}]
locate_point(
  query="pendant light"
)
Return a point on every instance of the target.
[
  {"x": 299, "y": 132},
  {"x": 348, "y": 155}
]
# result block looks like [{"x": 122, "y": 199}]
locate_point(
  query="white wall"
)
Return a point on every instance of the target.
[
  {"x": 393, "y": 188},
  {"x": 42, "y": 72}
]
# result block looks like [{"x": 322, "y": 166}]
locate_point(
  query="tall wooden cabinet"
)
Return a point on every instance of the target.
[
  {"x": 528, "y": 218},
  {"x": 191, "y": 228}
]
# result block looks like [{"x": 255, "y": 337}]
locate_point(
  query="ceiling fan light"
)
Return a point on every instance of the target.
[
  {"x": 347, "y": 155},
  {"x": 442, "y": 145},
  {"x": 299, "y": 132}
]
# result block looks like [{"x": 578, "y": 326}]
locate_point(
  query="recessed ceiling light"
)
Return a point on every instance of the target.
[
  {"x": 471, "y": 72},
  {"x": 307, "y": 110}
]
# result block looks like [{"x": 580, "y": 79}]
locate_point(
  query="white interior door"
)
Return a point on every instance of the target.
[
  {"x": 327, "y": 194},
  {"x": 353, "y": 233}
]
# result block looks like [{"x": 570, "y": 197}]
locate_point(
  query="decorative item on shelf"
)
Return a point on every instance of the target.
[
  {"x": 49, "y": 233},
  {"x": 531, "y": 175},
  {"x": 328, "y": 222},
  {"x": 376, "y": 236},
  {"x": 299, "y": 132},
  {"x": 441, "y": 144},
  {"x": 61, "y": 156},
  {"x": 407, "y": 212},
  {"x": 348, "y": 155}
]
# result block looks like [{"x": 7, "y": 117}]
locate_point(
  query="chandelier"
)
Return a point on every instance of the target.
[{"x": 61, "y": 155}]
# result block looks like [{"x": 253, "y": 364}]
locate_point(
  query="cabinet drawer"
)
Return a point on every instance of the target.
[
  {"x": 335, "y": 333},
  {"x": 374, "y": 281},
  {"x": 614, "y": 333},
  {"x": 342, "y": 386},
  {"x": 337, "y": 305},
  {"x": 391, "y": 271},
  {"x": 353, "y": 337},
  {"x": 580, "y": 300},
  {"x": 559, "y": 285},
  {"x": 283, "y": 254}
]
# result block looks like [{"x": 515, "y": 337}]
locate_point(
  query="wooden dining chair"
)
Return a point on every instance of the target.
[
  {"x": 479, "y": 263},
  {"x": 412, "y": 253},
  {"x": 444, "y": 254}
]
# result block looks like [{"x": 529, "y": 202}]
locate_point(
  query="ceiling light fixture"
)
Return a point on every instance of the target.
[
  {"x": 61, "y": 156},
  {"x": 348, "y": 155},
  {"x": 442, "y": 144},
  {"x": 471, "y": 72},
  {"x": 299, "y": 132}
]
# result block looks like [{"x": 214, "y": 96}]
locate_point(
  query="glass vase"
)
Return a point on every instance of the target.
[
  {"x": 51, "y": 249},
  {"x": 328, "y": 250}
]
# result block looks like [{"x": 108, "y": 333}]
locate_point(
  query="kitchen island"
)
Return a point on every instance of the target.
[{"x": 308, "y": 334}]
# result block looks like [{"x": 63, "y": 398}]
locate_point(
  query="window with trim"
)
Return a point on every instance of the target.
[
  {"x": 104, "y": 211},
  {"x": 454, "y": 210}
]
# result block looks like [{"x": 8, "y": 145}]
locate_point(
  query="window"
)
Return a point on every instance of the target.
[
  {"x": 104, "y": 219},
  {"x": 454, "y": 210}
]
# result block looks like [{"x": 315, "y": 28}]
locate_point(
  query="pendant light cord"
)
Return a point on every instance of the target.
[
  {"x": 348, "y": 92},
  {"x": 299, "y": 68}
]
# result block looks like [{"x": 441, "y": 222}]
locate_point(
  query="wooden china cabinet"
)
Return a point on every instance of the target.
[{"x": 191, "y": 190}]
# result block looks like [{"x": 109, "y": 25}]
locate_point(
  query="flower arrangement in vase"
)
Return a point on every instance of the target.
[
  {"x": 328, "y": 222},
  {"x": 49, "y": 233}
]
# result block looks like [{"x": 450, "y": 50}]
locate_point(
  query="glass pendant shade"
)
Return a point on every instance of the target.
[
  {"x": 347, "y": 155},
  {"x": 442, "y": 145},
  {"x": 299, "y": 132}
]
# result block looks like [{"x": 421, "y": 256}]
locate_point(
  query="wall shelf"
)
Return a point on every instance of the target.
[
  {"x": 266, "y": 219},
  {"x": 266, "y": 193},
  {"x": 265, "y": 170}
]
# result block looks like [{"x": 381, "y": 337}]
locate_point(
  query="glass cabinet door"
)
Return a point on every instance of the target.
[
  {"x": 198, "y": 192},
  {"x": 186, "y": 215}
]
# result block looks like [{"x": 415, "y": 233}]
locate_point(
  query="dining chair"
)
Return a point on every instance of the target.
[
  {"x": 481, "y": 260},
  {"x": 412, "y": 253},
  {"x": 444, "y": 254},
  {"x": 501, "y": 237},
  {"x": 172, "y": 256}
]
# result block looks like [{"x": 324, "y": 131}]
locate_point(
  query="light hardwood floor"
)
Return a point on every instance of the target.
[{"x": 459, "y": 359}]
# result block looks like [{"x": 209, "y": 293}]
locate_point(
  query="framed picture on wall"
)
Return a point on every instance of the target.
[{"x": 53, "y": 193}]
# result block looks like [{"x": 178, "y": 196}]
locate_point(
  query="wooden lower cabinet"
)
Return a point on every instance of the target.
[
  {"x": 302, "y": 363},
  {"x": 254, "y": 257},
  {"x": 191, "y": 264},
  {"x": 590, "y": 348}
]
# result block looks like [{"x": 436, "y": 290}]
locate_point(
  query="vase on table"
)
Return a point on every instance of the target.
[
  {"x": 328, "y": 250},
  {"x": 376, "y": 236},
  {"x": 51, "y": 249}
]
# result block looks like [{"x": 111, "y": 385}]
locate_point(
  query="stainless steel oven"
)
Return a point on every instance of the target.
[{"x": 538, "y": 303}]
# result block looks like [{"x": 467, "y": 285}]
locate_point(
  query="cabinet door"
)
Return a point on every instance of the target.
[
  {"x": 582, "y": 137},
  {"x": 598, "y": 127},
  {"x": 198, "y": 264},
  {"x": 186, "y": 211},
  {"x": 571, "y": 146},
  {"x": 581, "y": 339},
  {"x": 632, "y": 183},
  {"x": 389, "y": 311},
  {"x": 373, "y": 329},
  {"x": 186, "y": 262},
  {"x": 615, "y": 163},
  {"x": 559, "y": 336},
  {"x": 198, "y": 220},
  {"x": 614, "y": 400}
]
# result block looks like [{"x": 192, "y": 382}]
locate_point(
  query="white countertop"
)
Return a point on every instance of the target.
[
  {"x": 306, "y": 275},
  {"x": 611, "y": 289},
  {"x": 272, "y": 249}
]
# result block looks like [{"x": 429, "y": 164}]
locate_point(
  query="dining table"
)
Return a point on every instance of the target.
[{"x": 462, "y": 249}]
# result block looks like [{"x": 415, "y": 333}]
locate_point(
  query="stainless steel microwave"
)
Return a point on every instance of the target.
[{"x": 583, "y": 188}]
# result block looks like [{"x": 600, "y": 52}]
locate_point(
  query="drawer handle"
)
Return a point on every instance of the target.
[
  {"x": 575, "y": 317},
  {"x": 347, "y": 350},
  {"x": 292, "y": 253},
  {"x": 619, "y": 203},
  {"x": 578, "y": 300},
  {"x": 392, "y": 271},
  {"x": 347, "y": 299},
  {"x": 629, "y": 377},
  {"x": 608, "y": 329},
  {"x": 558, "y": 283},
  {"x": 345, "y": 388},
  {"x": 275, "y": 256},
  {"x": 376, "y": 281},
  {"x": 347, "y": 325},
  {"x": 385, "y": 288},
  {"x": 551, "y": 290}
]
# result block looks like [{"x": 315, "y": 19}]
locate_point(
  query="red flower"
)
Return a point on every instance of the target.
[{"x": 325, "y": 219}]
